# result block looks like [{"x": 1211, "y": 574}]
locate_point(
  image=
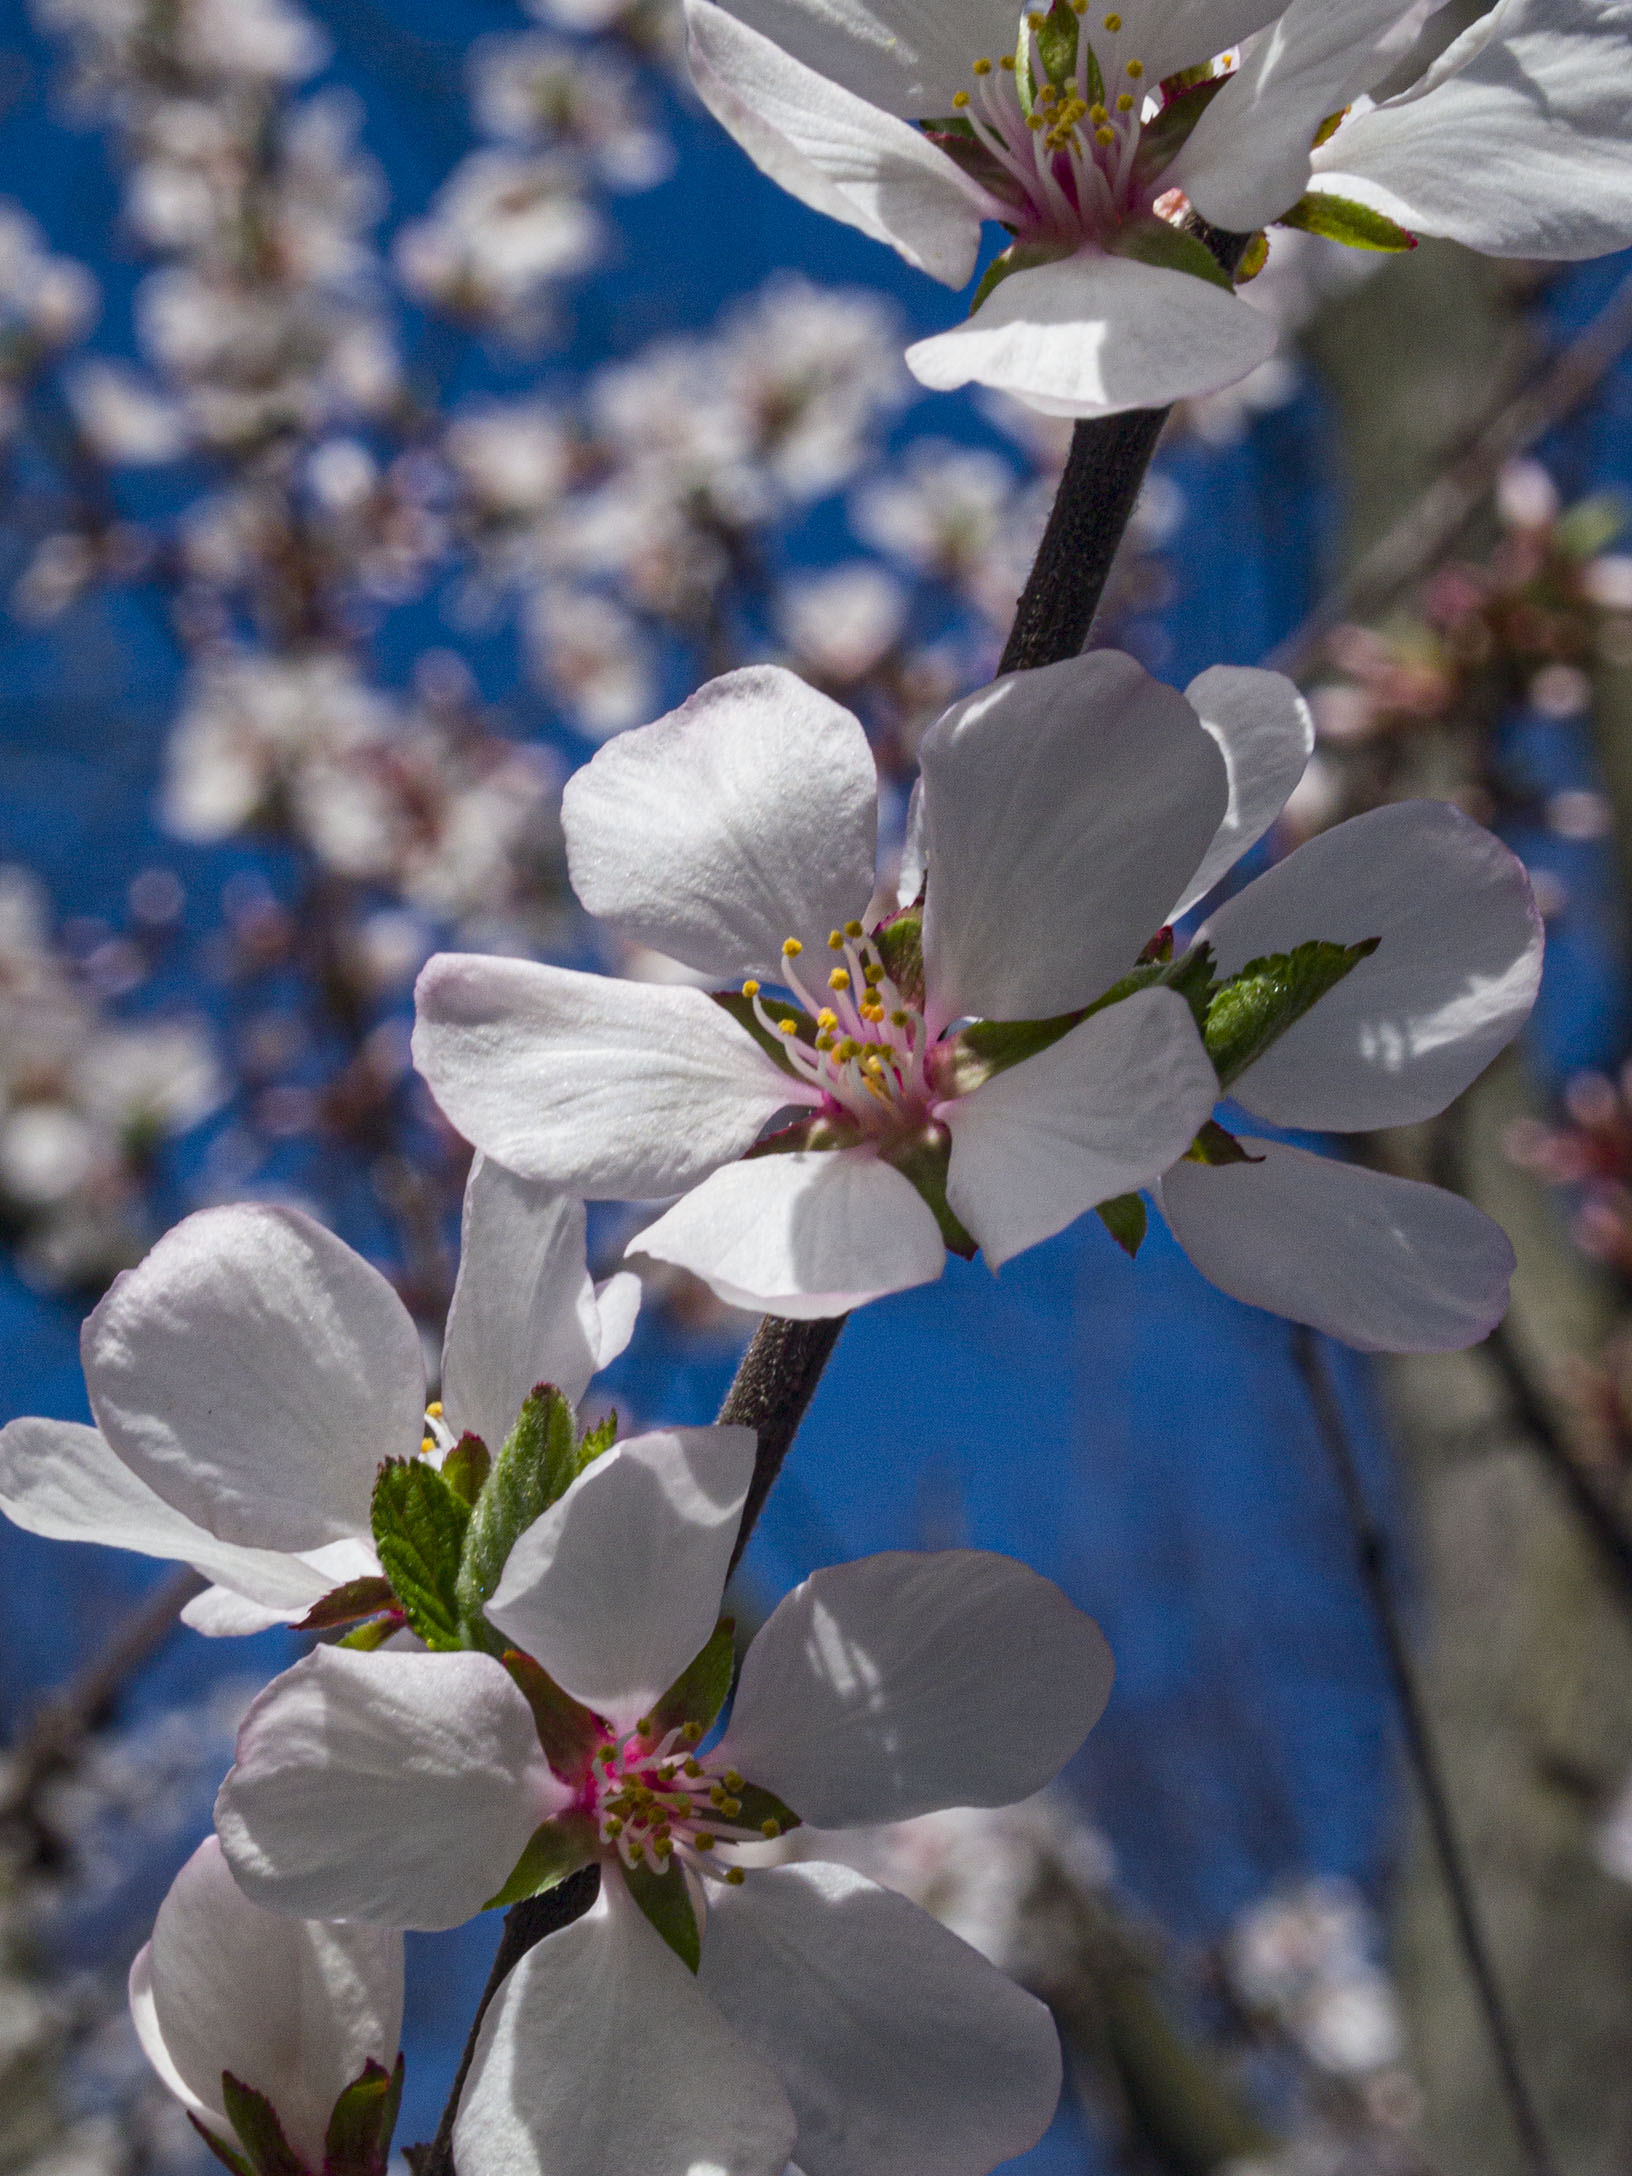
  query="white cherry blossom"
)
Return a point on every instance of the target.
[
  {"x": 1090, "y": 134},
  {"x": 250, "y": 1375},
  {"x": 403, "y": 1789},
  {"x": 1064, "y": 809}
]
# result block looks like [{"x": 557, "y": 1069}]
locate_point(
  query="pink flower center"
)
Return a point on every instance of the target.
[
  {"x": 657, "y": 1802},
  {"x": 866, "y": 1049}
]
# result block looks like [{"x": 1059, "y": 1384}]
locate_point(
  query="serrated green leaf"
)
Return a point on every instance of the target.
[
  {"x": 567, "y": 1730},
  {"x": 742, "y": 1012},
  {"x": 554, "y": 1850},
  {"x": 597, "y": 1441},
  {"x": 466, "y": 1467},
  {"x": 925, "y": 1157},
  {"x": 1193, "y": 978},
  {"x": 1256, "y": 1007},
  {"x": 344, "y": 1605},
  {"x": 256, "y": 2122},
  {"x": 228, "y": 2156},
  {"x": 1340, "y": 219},
  {"x": 666, "y": 1902},
  {"x": 358, "y": 2139},
  {"x": 1127, "y": 1221},
  {"x": 699, "y": 1692},
  {"x": 900, "y": 945},
  {"x": 1154, "y": 242},
  {"x": 537, "y": 1463},
  {"x": 419, "y": 1533},
  {"x": 986, "y": 1047}
]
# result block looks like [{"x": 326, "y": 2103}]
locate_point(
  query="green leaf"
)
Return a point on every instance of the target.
[
  {"x": 1127, "y": 1221},
  {"x": 554, "y": 1850},
  {"x": 1164, "y": 136},
  {"x": 344, "y": 1605},
  {"x": 986, "y": 1047},
  {"x": 757, "y": 1807},
  {"x": 255, "y": 2120},
  {"x": 374, "y": 1633},
  {"x": 1193, "y": 978},
  {"x": 900, "y": 943},
  {"x": 667, "y": 1904},
  {"x": 1340, "y": 219},
  {"x": 1256, "y": 1007},
  {"x": 1018, "y": 257},
  {"x": 1057, "y": 45},
  {"x": 821, "y": 1132},
  {"x": 964, "y": 148},
  {"x": 699, "y": 1692},
  {"x": 466, "y": 1467},
  {"x": 925, "y": 1157},
  {"x": 537, "y": 1463},
  {"x": 419, "y": 1531},
  {"x": 741, "y": 1010},
  {"x": 1217, "y": 1146},
  {"x": 228, "y": 2156},
  {"x": 567, "y": 1730},
  {"x": 1153, "y": 241},
  {"x": 358, "y": 2139},
  {"x": 598, "y": 1440}
]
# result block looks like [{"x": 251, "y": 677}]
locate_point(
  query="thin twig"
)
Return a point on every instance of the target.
[
  {"x": 1598, "y": 1511},
  {"x": 1371, "y": 1548},
  {"x": 1433, "y": 524}
]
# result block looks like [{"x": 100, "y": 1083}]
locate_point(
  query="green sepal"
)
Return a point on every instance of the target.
[
  {"x": 255, "y": 2120},
  {"x": 1165, "y": 134},
  {"x": 344, "y": 1605},
  {"x": 1194, "y": 978},
  {"x": 1018, "y": 257},
  {"x": 1257, "y": 1006},
  {"x": 666, "y": 1901},
  {"x": 925, "y": 1157},
  {"x": 537, "y": 1462},
  {"x": 759, "y": 1806},
  {"x": 358, "y": 2139},
  {"x": 228, "y": 2156},
  {"x": 819, "y": 1132},
  {"x": 567, "y": 1730},
  {"x": 957, "y": 141},
  {"x": 554, "y": 1850},
  {"x": 987, "y": 1047},
  {"x": 741, "y": 1010},
  {"x": 419, "y": 1532},
  {"x": 1340, "y": 219},
  {"x": 1154, "y": 242},
  {"x": 1216, "y": 1145},
  {"x": 1127, "y": 1221},
  {"x": 900, "y": 945},
  {"x": 374, "y": 1632},
  {"x": 466, "y": 1467},
  {"x": 598, "y": 1440},
  {"x": 699, "y": 1692},
  {"x": 1057, "y": 45}
]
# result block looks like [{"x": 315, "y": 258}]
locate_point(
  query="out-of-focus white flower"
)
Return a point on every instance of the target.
[
  {"x": 502, "y": 230},
  {"x": 46, "y": 302},
  {"x": 220, "y": 42},
  {"x": 545, "y": 93},
  {"x": 594, "y": 658},
  {"x": 841, "y": 622},
  {"x": 513, "y": 459},
  {"x": 940, "y": 510},
  {"x": 1306, "y": 1957},
  {"x": 128, "y": 420}
]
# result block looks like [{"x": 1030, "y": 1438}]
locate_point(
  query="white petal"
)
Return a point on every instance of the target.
[
  {"x": 617, "y": 1306},
  {"x": 1102, "y": 1112},
  {"x": 1248, "y": 158},
  {"x": 900, "y": 2047},
  {"x": 601, "y": 2056},
  {"x": 615, "y": 1090},
  {"x": 1093, "y": 335},
  {"x": 220, "y": 1614},
  {"x": 1063, "y": 808},
  {"x": 1262, "y": 725},
  {"x": 1381, "y": 1263},
  {"x": 291, "y": 2007},
  {"x": 835, "y": 151},
  {"x": 747, "y": 816},
  {"x": 523, "y": 1309},
  {"x": 1450, "y": 985},
  {"x": 910, "y": 879},
  {"x": 803, "y": 1235},
  {"x": 254, "y": 1371},
  {"x": 618, "y": 1585},
  {"x": 394, "y": 1789},
  {"x": 1517, "y": 142},
  {"x": 909, "y": 56},
  {"x": 900, "y": 1684}
]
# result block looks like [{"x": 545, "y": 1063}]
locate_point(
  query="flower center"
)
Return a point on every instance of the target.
[
  {"x": 659, "y": 1803},
  {"x": 866, "y": 1048}
]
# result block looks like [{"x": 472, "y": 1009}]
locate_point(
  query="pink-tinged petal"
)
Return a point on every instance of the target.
[
  {"x": 601, "y": 2056},
  {"x": 290, "y": 2007},
  {"x": 254, "y": 1371},
  {"x": 1515, "y": 143},
  {"x": 901, "y": 1684},
  {"x": 900, "y": 2047},
  {"x": 747, "y": 816},
  {"x": 618, "y": 1091},
  {"x": 1102, "y": 1112},
  {"x": 1266, "y": 736},
  {"x": 393, "y": 1789},
  {"x": 1450, "y": 985},
  {"x": 836, "y": 152},
  {"x": 1062, "y": 810},
  {"x": 618, "y": 1585},
  {"x": 805, "y": 1235},
  {"x": 1383, "y": 1264},
  {"x": 1093, "y": 335},
  {"x": 524, "y": 1308}
]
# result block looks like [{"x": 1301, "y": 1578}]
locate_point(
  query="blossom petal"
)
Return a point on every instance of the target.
[
  {"x": 1093, "y": 335},
  {"x": 291, "y": 2007},
  {"x": 901, "y": 1684},
  {"x": 601, "y": 2053},
  {"x": 1262, "y": 725},
  {"x": 900, "y": 2047},
  {"x": 1063, "y": 808},
  {"x": 254, "y": 1371},
  {"x": 834, "y": 151},
  {"x": 804, "y": 1235},
  {"x": 1515, "y": 143},
  {"x": 909, "y": 56},
  {"x": 220, "y": 1614},
  {"x": 393, "y": 1789},
  {"x": 1383, "y": 1264},
  {"x": 618, "y": 1585},
  {"x": 1450, "y": 985},
  {"x": 524, "y": 1308},
  {"x": 1248, "y": 158},
  {"x": 617, "y": 1305},
  {"x": 747, "y": 816},
  {"x": 614, "y": 1090},
  {"x": 1102, "y": 1112}
]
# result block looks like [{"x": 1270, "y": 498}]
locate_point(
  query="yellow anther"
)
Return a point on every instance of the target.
[
  {"x": 736, "y": 1877},
  {"x": 1007, "y": 63},
  {"x": 1047, "y": 95},
  {"x": 852, "y": 929},
  {"x": 960, "y": 98},
  {"x": 791, "y": 948},
  {"x": 731, "y": 1780},
  {"x": 614, "y": 1827},
  {"x": 872, "y": 973},
  {"x": 691, "y": 1732},
  {"x": 637, "y": 1851},
  {"x": 839, "y": 979},
  {"x": 827, "y": 1019},
  {"x": 730, "y": 1807},
  {"x": 1036, "y": 18},
  {"x": 899, "y": 1018},
  {"x": 983, "y": 67},
  {"x": 750, "y": 988},
  {"x": 643, "y": 1728},
  {"x": 875, "y": 1013},
  {"x": 787, "y": 1027},
  {"x": 1106, "y": 136},
  {"x": 1098, "y": 116},
  {"x": 1125, "y": 103},
  {"x": 824, "y": 1043},
  {"x": 607, "y": 1755},
  {"x": 1113, "y": 23},
  {"x": 434, "y": 1410},
  {"x": 770, "y": 1827},
  {"x": 847, "y": 1050},
  {"x": 693, "y": 1768},
  {"x": 1034, "y": 121},
  {"x": 835, "y": 940},
  {"x": 1136, "y": 69},
  {"x": 704, "y": 1841},
  {"x": 682, "y": 1804},
  {"x": 1079, "y": 7},
  {"x": 427, "y": 1443}
]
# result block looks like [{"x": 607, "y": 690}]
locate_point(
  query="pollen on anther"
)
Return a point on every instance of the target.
[
  {"x": 1125, "y": 103},
  {"x": 791, "y": 948},
  {"x": 787, "y": 1027},
  {"x": 704, "y": 1840},
  {"x": 770, "y": 1827},
  {"x": 434, "y": 1410},
  {"x": 736, "y": 1877},
  {"x": 1113, "y": 23},
  {"x": 835, "y": 940},
  {"x": 750, "y": 988},
  {"x": 852, "y": 929},
  {"x": 960, "y": 98},
  {"x": 691, "y": 1732},
  {"x": 1136, "y": 69},
  {"x": 983, "y": 67},
  {"x": 1105, "y": 136},
  {"x": 693, "y": 1768},
  {"x": 427, "y": 1444},
  {"x": 900, "y": 1017},
  {"x": 839, "y": 979},
  {"x": 1007, "y": 63},
  {"x": 1034, "y": 122}
]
